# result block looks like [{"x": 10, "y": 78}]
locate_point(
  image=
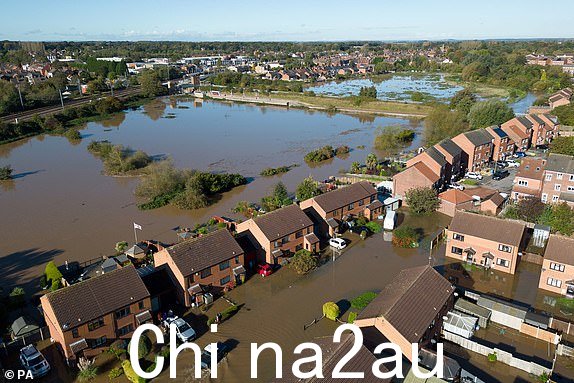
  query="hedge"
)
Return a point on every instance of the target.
[
  {"x": 225, "y": 314},
  {"x": 130, "y": 373}
]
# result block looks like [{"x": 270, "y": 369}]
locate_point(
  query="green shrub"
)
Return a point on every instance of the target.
[
  {"x": 492, "y": 357},
  {"x": 130, "y": 373},
  {"x": 331, "y": 311},
  {"x": 374, "y": 227},
  {"x": 115, "y": 372},
  {"x": 406, "y": 236},
  {"x": 303, "y": 262},
  {"x": 363, "y": 300},
  {"x": 17, "y": 297},
  {"x": 73, "y": 134},
  {"x": 352, "y": 317},
  {"x": 88, "y": 373},
  {"x": 43, "y": 282},
  {"x": 5, "y": 172},
  {"x": 144, "y": 346},
  {"x": 56, "y": 285},
  {"x": 225, "y": 314},
  {"x": 52, "y": 272}
]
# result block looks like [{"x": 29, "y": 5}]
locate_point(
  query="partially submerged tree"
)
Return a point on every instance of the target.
[{"x": 422, "y": 200}]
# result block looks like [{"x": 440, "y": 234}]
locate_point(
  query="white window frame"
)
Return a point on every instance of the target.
[
  {"x": 555, "y": 198},
  {"x": 503, "y": 262},
  {"x": 505, "y": 248},
  {"x": 557, "y": 267},
  {"x": 548, "y": 177},
  {"x": 522, "y": 183},
  {"x": 544, "y": 197},
  {"x": 559, "y": 176},
  {"x": 554, "y": 282},
  {"x": 557, "y": 187}
]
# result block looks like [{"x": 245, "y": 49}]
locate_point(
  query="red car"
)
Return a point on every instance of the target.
[{"x": 265, "y": 270}]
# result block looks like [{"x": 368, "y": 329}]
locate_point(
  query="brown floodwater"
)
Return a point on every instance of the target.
[{"x": 61, "y": 207}]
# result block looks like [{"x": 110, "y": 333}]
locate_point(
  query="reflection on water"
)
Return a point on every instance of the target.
[
  {"x": 114, "y": 121},
  {"x": 398, "y": 87},
  {"x": 70, "y": 206}
]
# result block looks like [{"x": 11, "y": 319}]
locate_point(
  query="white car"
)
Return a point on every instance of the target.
[
  {"x": 473, "y": 175},
  {"x": 337, "y": 243},
  {"x": 184, "y": 331},
  {"x": 512, "y": 163},
  {"x": 456, "y": 186},
  {"x": 32, "y": 360}
]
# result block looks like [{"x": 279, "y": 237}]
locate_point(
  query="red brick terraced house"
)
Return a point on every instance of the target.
[
  {"x": 485, "y": 241},
  {"x": 85, "y": 318},
  {"x": 453, "y": 155},
  {"x": 201, "y": 265},
  {"x": 477, "y": 148},
  {"x": 503, "y": 146},
  {"x": 436, "y": 161},
  {"x": 519, "y": 129},
  {"x": 415, "y": 176},
  {"x": 280, "y": 233},
  {"x": 544, "y": 129}
]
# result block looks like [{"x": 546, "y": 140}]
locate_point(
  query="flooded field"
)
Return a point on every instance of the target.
[
  {"x": 60, "y": 206},
  {"x": 398, "y": 87}
]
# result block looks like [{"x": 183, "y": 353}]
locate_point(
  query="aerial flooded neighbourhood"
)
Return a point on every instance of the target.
[{"x": 289, "y": 192}]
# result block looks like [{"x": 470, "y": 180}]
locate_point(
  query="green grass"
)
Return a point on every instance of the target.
[
  {"x": 469, "y": 182},
  {"x": 363, "y": 300}
]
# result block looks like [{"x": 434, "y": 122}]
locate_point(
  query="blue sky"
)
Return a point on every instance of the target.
[{"x": 308, "y": 20}]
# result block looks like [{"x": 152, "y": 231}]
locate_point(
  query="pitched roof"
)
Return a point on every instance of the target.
[
  {"x": 455, "y": 196},
  {"x": 531, "y": 168},
  {"x": 525, "y": 122},
  {"x": 424, "y": 171},
  {"x": 538, "y": 120},
  {"x": 478, "y": 137},
  {"x": 437, "y": 156},
  {"x": 281, "y": 222},
  {"x": 344, "y": 196},
  {"x": 96, "y": 297},
  {"x": 560, "y": 163},
  {"x": 196, "y": 254},
  {"x": 491, "y": 228},
  {"x": 515, "y": 133},
  {"x": 496, "y": 130},
  {"x": 450, "y": 147},
  {"x": 411, "y": 301},
  {"x": 559, "y": 249},
  {"x": 362, "y": 361}
]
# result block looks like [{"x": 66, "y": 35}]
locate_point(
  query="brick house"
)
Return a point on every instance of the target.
[
  {"x": 410, "y": 308},
  {"x": 558, "y": 183},
  {"x": 477, "y": 148},
  {"x": 478, "y": 199},
  {"x": 280, "y": 233},
  {"x": 85, "y": 318},
  {"x": 436, "y": 162},
  {"x": 328, "y": 210},
  {"x": 453, "y": 155},
  {"x": 528, "y": 179},
  {"x": 205, "y": 264},
  {"x": 543, "y": 129},
  {"x": 560, "y": 98},
  {"x": 486, "y": 241},
  {"x": 503, "y": 146},
  {"x": 417, "y": 175},
  {"x": 558, "y": 266},
  {"x": 519, "y": 129}
]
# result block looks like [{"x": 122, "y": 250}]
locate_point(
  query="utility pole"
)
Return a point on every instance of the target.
[
  {"x": 20, "y": 94},
  {"x": 61, "y": 98}
]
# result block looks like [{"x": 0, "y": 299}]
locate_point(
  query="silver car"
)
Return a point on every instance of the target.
[{"x": 33, "y": 360}]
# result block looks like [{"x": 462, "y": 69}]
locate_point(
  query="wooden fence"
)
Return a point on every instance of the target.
[{"x": 34, "y": 337}]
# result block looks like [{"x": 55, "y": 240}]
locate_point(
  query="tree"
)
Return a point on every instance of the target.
[
  {"x": 463, "y": 100},
  {"x": 9, "y": 99},
  {"x": 5, "y": 172},
  {"x": 488, "y": 113},
  {"x": 144, "y": 346},
  {"x": 331, "y": 311},
  {"x": 405, "y": 236},
  {"x": 303, "y": 261},
  {"x": 369, "y": 92},
  {"x": 559, "y": 217},
  {"x": 528, "y": 209},
  {"x": 150, "y": 84},
  {"x": 565, "y": 114},
  {"x": 443, "y": 123},
  {"x": 279, "y": 198},
  {"x": 371, "y": 161},
  {"x": 308, "y": 188},
  {"x": 391, "y": 138},
  {"x": 422, "y": 200},
  {"x": 560, "y": 145},
  {"x": 355, "y": 167},
  {"x": 17, "y": 297},
  {"x": 121, "y": 247}
]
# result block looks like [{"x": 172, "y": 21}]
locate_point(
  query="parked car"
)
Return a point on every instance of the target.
[
  {"x": 222, "y": 350},
  {"x": 337, "y": 243},
  {"x": 473, "y": 175},
  {"x": 456, "y": 186},
  {"x": 33, "y": 360},
  {"x": 500, "y": 175},
  {"x": 184, "y": 331},
  {"x": 390, "y": 220},
  {"x": 513, "y": 164},
  {"x": 519, "y": 154},
  {"x": 264, "y": 270},
  {"x": 358, "y": 229},
  {"x": 501, "y": 164}
]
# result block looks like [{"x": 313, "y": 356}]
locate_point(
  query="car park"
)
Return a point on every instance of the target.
[
  {"x": 33, "y": 361},
  {"x": 500, "y": 175},
  {"x": 473, "y": 175},
  {"x": 337, "y": 243},
  {"x": 264, "y": 270}
]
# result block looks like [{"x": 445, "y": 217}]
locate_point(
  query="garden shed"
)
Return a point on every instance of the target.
[
  {"x": 468, "y": 307},
  {"x": 505, "y": 313}
]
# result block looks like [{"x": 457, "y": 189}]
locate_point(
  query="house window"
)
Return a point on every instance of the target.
[
  {"x": 285, "y": 240},
  {"x": 557, "y": 266},
  {"x": 98, "y": 342},
  {"x": 555, "y": 198},
  {"x": 361, "y": 202},
  {"x": 125, "y": 330},
  {"x": 522, "y": 183},
  {"x": 141, "y": 305},
  {"x": 544, "y": 197},
  {"x": 224, "y": 265},
  {"x": 75, "y": 333},
  {"x": 456, "y": 250},
  {"x": 351, "y": 206},
  {"x": 570, "y": 188},
  {"x": 224, "y": 281},
  {"x": 458, "y": 237},
  {"x": 572, "y": 177},
  {"x": 373, "y": 198},
  {"x": 95, "y": 324},
  {"x": 554, "y": 282},
  {"x": 299, "y": 234},
  {"x": 298, "y": 247},
  {"x": 559, "y": 176},
  {"x": 502, "y": 262},
  {"x": 548, "y": 177},
  {"x": 557, "y": 187},
  {"x": 276, "y": 244},
  {"x": 205, "y": 272},
  {"x": 191, "y": 278},
  {"x": 123, "y": 313},
  {"x": 236, "y": 260},
  {"x": 505, "y": 248}
]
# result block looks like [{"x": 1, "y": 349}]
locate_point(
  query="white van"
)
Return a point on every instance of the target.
[{"x": 390, "y": 220}]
